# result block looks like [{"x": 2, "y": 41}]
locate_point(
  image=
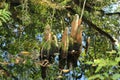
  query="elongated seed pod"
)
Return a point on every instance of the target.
[
  {"x": 55, "y": 40},
  {"x": 65, "y": 40},
  {"x": 47, "y": 33},
  {"x": 87, "y": 45},
  {"x": 74, "y": 25},
  {"x": 79, "y": 22},
  {"x": 79, "y": 34}
]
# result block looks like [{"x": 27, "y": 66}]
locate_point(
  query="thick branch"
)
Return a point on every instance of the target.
[
  {"x": 112, "y": 13},
  {"x": 89, "y": 8},
  {"x": 93, "y": 25},
  {"x": 98, "y": 29},
  {"x": 8, "y": 73}
]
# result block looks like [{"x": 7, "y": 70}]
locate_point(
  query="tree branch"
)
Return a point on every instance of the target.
[
  {"x": 93, "y": 25},
  {"x": 98, "y": 29},
  {"x": 112, "y": 13},
  {"x": 8, "y": 73},
  {"x": 89, "y": 8}
]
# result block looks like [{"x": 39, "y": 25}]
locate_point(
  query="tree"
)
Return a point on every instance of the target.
[{"x": 24, "y": 39}]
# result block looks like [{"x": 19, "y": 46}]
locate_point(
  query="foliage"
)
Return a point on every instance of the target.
[
  {"x": 20, "y": 42},
  {"x": 103, "y": 68},
  {"x": 4, "y": 16}
]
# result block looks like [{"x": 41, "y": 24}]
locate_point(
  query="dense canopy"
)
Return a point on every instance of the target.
[{"x": 60, "y": 39}]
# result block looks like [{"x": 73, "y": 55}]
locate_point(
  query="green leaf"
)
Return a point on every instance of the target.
[
  {"x": 0, "y": 23},
  {"x": 97, "y": 76},
  {"x": 4, "y": 15},
  {"x": 117, "y": 59},
  {"x": 89, "y": 62},
  {"x": 116, "y": 76},
  {"x": 106, "y": 74},
  {"x": 2, "y": 19},
  {"x": 98, "y": 69}
]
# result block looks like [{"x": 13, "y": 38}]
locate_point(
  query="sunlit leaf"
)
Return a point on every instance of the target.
[
  {"x": 0, "y": 23},
  {"x": 117, "y": 59},
  {"x": 25, "y": 53},
  {"x": 89, "y": 62},
  {"x": 59, "y": 77},
  {"x": 116, "y": 76},
  {"x": 65, "y": 71},
  {"x": 97, "y": 76},
  {"x": 98, "y": 69}
]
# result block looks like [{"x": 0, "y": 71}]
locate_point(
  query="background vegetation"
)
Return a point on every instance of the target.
[{"x": 22, "y": 25}]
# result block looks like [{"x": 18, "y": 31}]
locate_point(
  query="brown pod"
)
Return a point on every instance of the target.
[
  {"x": 87, "y": 44},
  {"x": 88, "y": 41},
  {"x": 55, "y": 40},
  {"x": 79, "y": 22},
  {"x": 74, "y": 25},
  {"x": 49, "y": 36},
  {"x": 47, "y": 33},
  {"x": 79, "y": 34},
  {"x": 65, "y": 40}
]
